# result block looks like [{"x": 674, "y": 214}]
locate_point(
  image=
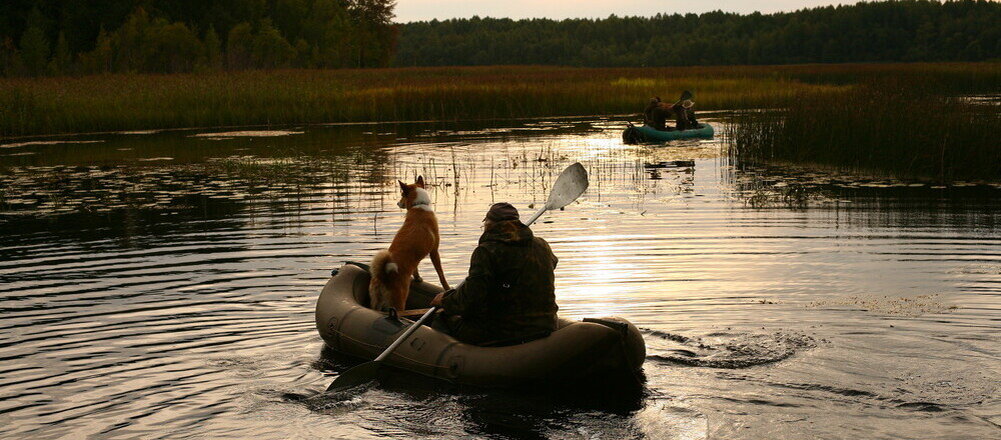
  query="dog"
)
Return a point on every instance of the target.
[{"x": 393, "y": 268}]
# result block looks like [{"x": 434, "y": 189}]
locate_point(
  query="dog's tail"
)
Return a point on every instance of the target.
[{"x": 382, "y": 265}]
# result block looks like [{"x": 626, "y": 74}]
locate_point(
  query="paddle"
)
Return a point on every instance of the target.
[
  {"x": 570, "y": 185},
  {"x": 687, "y": 94}
]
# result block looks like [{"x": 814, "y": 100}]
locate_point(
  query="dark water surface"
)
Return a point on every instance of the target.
[{"x": 163, "y": 284}]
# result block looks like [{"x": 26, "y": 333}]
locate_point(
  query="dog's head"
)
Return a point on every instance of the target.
[{"x": 414, "y": 195}]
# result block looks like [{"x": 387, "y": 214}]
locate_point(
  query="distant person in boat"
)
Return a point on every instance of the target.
[
  {"x": 509, "y": 296},
  {"x": 684, "y": 113},
  {"x": 656, "y": 113}
]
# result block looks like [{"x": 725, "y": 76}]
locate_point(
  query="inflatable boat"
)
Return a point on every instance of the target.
[
  {"x": 646, "y": 133},
  {"x": 603, "y": 348}
]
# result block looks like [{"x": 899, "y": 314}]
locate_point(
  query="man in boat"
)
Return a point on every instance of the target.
[
  {"x": 655, "y": 114},
  {"x": 509, "y": 296}
]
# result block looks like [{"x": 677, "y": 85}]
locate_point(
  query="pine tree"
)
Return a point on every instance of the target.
[
  {"x": 10, "y": 59},
  {"x": 238, "y": 46},
  {"x": 270, "y": 48},
  {"x": 213, "y": 49},
  {"x": 100, "y": 59},
  {"x": 375, "y": 33},
  {"x": 127, "y": 42},
  {"x": 327, "y": 28},
  {"x": 35, "y": 50},
  {"x": 169, "y": 47},
  {"x": 303, "y": 54},
  {"x": 62, "y": 59}
]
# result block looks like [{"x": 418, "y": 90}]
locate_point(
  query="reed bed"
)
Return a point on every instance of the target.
[
  {"x": 279, "y": 97},
  {"x": 888, "y": 128}
]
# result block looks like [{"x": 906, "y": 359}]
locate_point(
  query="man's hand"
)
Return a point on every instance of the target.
[
  {"x": 438, "y": 299},
  {"x": 436, "y": 302}
]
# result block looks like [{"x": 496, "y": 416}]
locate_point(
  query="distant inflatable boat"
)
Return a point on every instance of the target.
[
  {"x": 644, "y": 134},
  {"x": 597, "y": 349}
]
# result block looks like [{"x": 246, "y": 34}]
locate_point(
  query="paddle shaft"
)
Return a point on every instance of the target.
[
  {"x": 536, "y": 216},
  {"x": 685, "y": 95},
  {"x": 406, "y": 334}
]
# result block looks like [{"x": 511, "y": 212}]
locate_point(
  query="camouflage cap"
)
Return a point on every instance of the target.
[{"x": 500, "y": 212}]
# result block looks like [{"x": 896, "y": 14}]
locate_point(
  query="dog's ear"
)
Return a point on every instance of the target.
[
  {"x": 420, "y": 181},
  {"x": 403, "y": 186}
]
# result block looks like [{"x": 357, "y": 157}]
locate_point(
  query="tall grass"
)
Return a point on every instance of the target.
[
  {"x": 133, "y": 101},
  {"x": 888, "y": 128}
]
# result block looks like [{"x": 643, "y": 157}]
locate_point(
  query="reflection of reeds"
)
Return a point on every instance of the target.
[
  {"x": 122, "y": 102},
  {"x": 255, "y": 169},
  {"x": 886, "y": 128},
  {"x": 795, "y": 196}
]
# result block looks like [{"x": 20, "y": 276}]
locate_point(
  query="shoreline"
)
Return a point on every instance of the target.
[{"x": 622, "y": 116}]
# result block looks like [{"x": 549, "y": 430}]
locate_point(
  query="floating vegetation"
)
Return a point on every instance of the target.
[
  {"x": 889, "y": 305},
  {"x": 290, "y": 175},
  {"x": 248, "y": 133},
  {"x": 796, "y": 186},
  {"x": 56, "y": 142},
  {"x": 53, "y": 190}
]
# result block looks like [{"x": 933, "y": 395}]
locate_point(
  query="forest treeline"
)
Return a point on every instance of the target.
[
  {"x": 56, "y": 37},
  {"x": 910, "y": 30}
]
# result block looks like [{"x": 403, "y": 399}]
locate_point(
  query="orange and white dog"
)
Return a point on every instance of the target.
[{"x": 393, "y": 268}]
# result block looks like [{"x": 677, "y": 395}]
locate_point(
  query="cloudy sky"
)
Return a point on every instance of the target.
[{"x": 412, "y": 10}]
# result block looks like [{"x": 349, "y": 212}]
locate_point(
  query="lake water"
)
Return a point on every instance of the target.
[{"x": 162, "y": 284}]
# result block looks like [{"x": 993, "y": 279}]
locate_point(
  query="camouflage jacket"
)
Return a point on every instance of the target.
[{"x": 509, "y": 293}]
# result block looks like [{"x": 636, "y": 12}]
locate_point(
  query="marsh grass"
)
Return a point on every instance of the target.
[
  {"x": 885, "y": 128},
  {"x": 281, "y": 97}
]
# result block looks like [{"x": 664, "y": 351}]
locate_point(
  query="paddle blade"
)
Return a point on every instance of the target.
[
  {"x": 570, "y": 185},
  {"x": 354, "y": 376}
]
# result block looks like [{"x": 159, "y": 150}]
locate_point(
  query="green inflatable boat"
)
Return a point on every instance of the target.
[
  {"x": 593, "y": 349},
  {"x": 647, "y": 134}
]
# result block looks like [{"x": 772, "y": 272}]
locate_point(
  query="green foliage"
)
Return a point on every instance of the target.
[
  {"x": 269, "y": 49},
  {"x": 34, "y": 51},
  {"x": 127, "y": 42},
  {"x": 375, "y": 30},
  {"x": 239, "y": 45},
  {"x": 10, "y": 59},
  {"x": 213, "y": 50},
  {"x": 327, "y": 27},
  {"x": 303, "y": 54},
  {"x": 62, "y": 59},
  {"x": 99, "y": 59},
  {"x": 162, "y": 36},
  {"x": 907, "y": 30},
  {"x": 170, "y": 48}
]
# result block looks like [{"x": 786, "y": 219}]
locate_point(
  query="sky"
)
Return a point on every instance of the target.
[{"x": 414, "y": 10}]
